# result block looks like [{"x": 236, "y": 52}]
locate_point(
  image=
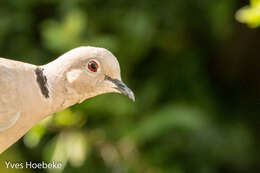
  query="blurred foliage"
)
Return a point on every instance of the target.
[
  {"x": 194, "y": 70},
  {"x": 250, "y": 14}
]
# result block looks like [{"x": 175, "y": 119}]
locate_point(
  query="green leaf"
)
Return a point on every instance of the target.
[
  {"x": 171, "y": 117},
  {"x": 250, "y": 14}
]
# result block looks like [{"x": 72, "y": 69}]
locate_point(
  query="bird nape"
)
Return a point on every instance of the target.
[{"x": 30, "y": 93}]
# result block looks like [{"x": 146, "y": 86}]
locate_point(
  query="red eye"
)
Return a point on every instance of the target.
[{"x": 92, "y": 66}]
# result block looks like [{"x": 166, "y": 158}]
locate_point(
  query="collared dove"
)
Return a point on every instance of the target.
[{"x": 29, "y": 93}]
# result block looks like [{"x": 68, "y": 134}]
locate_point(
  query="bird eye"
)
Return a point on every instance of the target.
[{"x": 92, "y": 66}]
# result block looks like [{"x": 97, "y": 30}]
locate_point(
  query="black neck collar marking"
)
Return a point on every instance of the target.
[{"x": 42, "y": 81}]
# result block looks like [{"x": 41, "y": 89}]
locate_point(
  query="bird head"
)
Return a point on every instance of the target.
[{"x": 93, "y": 71}]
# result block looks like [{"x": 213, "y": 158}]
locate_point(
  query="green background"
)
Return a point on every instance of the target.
[{"x": 194, "y": 70}]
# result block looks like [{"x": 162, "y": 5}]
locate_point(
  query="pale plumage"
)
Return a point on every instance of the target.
[
  {"x": 10, "y": 109},
  {"x": 29, "y": 93}
]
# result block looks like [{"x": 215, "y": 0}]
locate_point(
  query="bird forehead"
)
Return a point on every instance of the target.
[
  {"x": 108, "y": 61},
  {"x": 111, "y": 65},
  {"x": 95, "y": 53}
]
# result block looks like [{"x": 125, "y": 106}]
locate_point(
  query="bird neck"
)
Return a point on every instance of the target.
[{"x": 61, "y": 95}]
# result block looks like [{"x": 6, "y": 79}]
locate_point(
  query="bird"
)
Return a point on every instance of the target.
[{"x": 30, "y": 93}]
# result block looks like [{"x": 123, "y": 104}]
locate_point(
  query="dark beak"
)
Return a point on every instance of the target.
[{"x": 121, "y": 87}]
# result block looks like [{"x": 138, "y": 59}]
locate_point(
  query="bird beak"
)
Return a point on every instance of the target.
[{"x": 121, "y": 87}]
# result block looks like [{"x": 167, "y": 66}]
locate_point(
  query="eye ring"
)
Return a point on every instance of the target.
[{"x": 93, "y": 66}]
